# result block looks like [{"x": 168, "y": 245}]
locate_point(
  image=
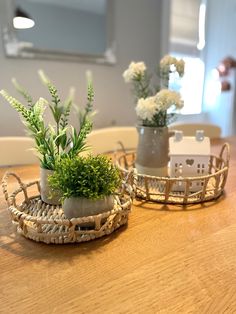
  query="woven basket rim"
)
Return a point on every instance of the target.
[
  {"x": 179, "y": 178},
  {"x": 66, "y": 221},
  {"x": 47, "y": 223},
  {"x": 148, "y": 186},
  {"x": 224, "y": 146}
]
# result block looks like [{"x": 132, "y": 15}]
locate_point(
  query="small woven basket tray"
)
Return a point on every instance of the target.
[
  {"x": 162, "y": 189},
  {"x": 42, "y": 222}
]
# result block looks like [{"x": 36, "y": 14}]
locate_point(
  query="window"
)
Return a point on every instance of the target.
[
  {"x": 191, "y": 85},
  {"x": 183, "y": 43}
]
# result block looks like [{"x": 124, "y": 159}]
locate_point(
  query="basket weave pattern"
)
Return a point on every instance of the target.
[
  {"x": 160, "y": 189},
  {"x": 42, "y": 222}
]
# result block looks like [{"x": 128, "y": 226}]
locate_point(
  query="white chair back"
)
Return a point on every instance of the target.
[
  {"x": 106, "y": 139},
  {"x": 17, "y": 151},
  {"x": 189, "y": 129}
]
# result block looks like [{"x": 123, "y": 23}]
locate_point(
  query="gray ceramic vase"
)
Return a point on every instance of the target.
[{"x": 152, "y": 151}]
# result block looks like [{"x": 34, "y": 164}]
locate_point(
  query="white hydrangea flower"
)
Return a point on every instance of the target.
[
  {"x": 127, "y": 76},
  {"x": 167, "y": 98},
  {"x": 155, "y": 110},
  {"x": 134, "y": 69},
  {"x": 180, "y": 67},
  {"x": 146, "y": 108},
  {"x": 169, "y": 63}
]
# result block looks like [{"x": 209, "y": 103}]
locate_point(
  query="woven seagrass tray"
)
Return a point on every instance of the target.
[
  {"x": 46, "y": 223},
  {"x": 162, "y": 189}
]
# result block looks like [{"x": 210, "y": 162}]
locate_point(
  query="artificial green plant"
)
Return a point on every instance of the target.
[
  {"x": 53, "y": 142},
  {"x": 92, "y": 177}
]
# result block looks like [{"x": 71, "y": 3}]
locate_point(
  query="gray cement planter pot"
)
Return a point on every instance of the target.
[
  {"x": 75, "y": 207},
  {"x": 47, "y": 194}
]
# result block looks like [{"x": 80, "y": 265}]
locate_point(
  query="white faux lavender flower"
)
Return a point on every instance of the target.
[{"x": 134, "y": 69}]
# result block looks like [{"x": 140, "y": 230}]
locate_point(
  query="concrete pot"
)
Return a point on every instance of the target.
[
  {"x": 152, "y": 151},
  {"x": 75, "y": 207},
  {"x": 47, "y": 194}
]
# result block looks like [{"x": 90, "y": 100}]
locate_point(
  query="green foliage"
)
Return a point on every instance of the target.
[
  {"x": 160, "y": 119},
  {"x": 23, "y": 92},
  {"x": 141, "y": 83},
  {"x": 53, "y": 141},
  {"x": 91, "y": 177}
]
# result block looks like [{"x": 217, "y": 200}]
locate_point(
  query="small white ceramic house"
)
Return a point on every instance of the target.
[{"x": 189, "y": 157}]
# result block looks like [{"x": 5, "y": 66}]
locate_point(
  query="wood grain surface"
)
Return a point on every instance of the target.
[{"x": 169, "y": 259}]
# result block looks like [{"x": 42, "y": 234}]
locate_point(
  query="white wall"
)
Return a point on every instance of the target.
[{"x": 137, "y": 25}]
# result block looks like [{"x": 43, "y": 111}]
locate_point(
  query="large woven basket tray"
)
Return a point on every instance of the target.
[
  {"x": 42, "y": 222},
  {"x": 161, "y": 189}
]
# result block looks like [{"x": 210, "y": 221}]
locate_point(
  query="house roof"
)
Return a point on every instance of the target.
[{"x": 189, "y": 145}]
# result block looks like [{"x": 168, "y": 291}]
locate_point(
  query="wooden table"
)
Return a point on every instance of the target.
[{"x": 169, "y": 259}]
